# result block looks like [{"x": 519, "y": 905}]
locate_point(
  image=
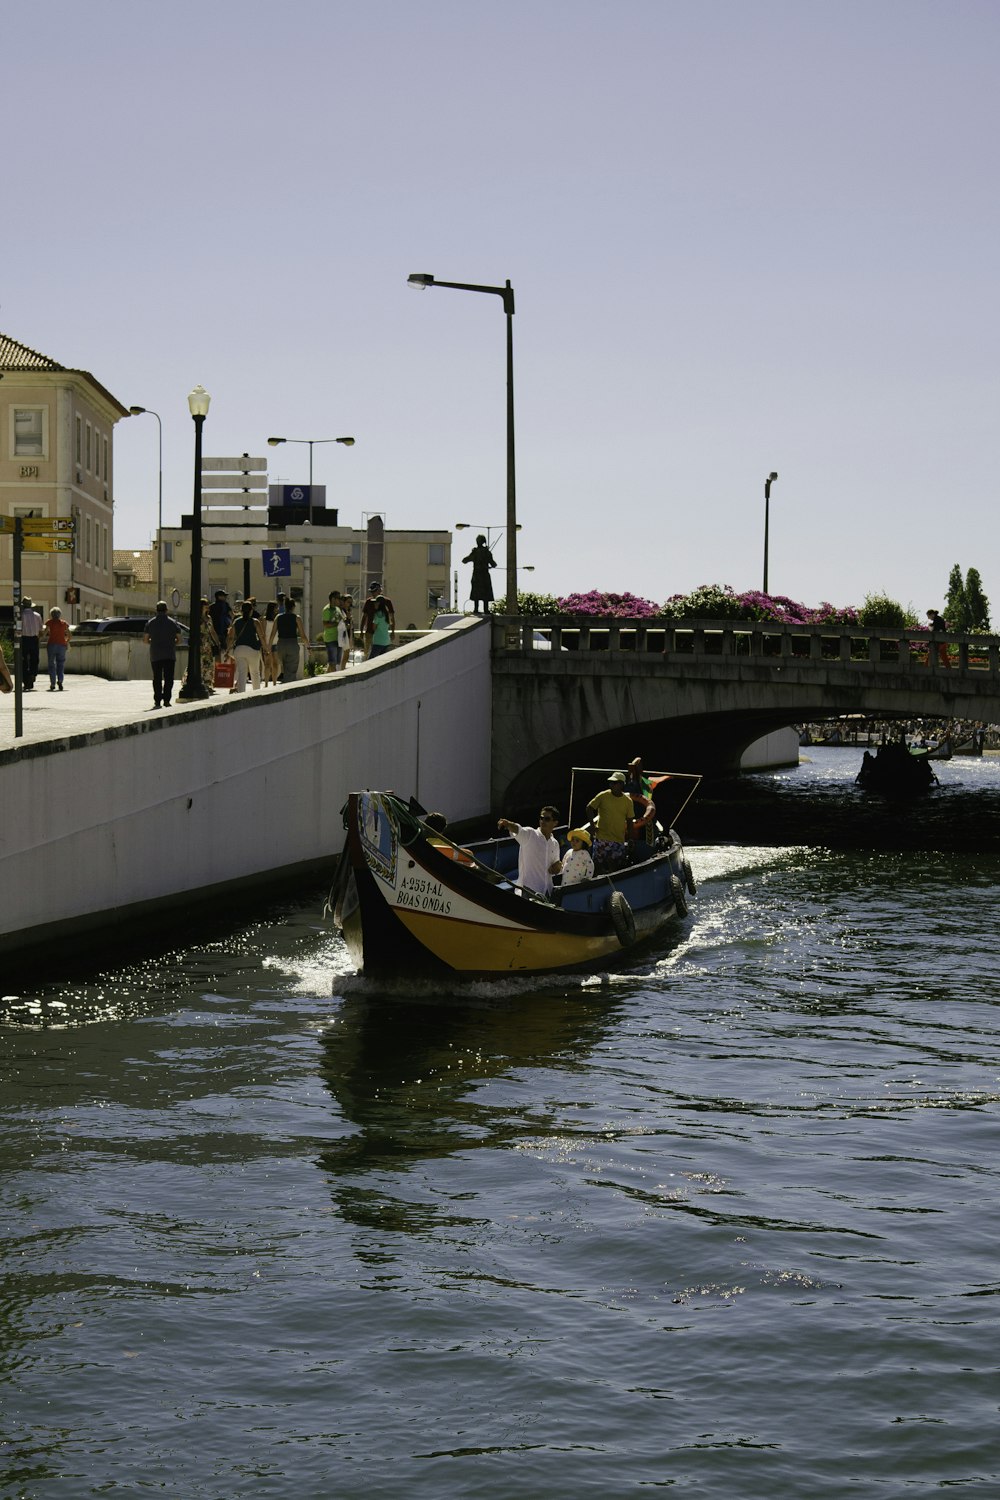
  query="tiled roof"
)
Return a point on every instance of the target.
[
  {"x": 133, "y": 560},
  {"x": 15, "y": 356}
]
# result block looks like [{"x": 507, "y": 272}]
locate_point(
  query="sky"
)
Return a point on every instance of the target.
[{"x": 744, "y": 236}]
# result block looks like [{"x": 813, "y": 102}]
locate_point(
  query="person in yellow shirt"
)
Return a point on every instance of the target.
[{"x": 611, "y": 813}]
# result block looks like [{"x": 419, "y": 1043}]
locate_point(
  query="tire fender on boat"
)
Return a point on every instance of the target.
[
  {"x": 689, "y": 879},
  {"x": 680, "y": 900},
  {"x": 622, "y": 918}
]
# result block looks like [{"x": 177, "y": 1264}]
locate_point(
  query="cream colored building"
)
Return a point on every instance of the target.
[
  {"x": 413, "y": 568},
  {"x": 57, "y": 460}
]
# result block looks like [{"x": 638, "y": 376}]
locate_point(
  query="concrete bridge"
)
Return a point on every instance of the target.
[
  {"x": 124, "y": 821},
  {"x": 694, "y": 695}
]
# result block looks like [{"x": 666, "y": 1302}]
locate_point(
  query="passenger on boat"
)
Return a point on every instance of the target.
[
  {"x": 577, "y": 864},
  {"x": 438, "y": 824},
  {"x": 644, "y": 817},
  {"x": 611, "y": 812},
  {"x": 538, "y": 851}
]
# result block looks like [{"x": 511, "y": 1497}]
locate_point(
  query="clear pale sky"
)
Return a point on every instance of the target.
[{"x": 743, "y": 235}]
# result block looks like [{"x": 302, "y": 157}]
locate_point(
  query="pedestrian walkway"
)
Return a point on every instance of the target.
[{"x": 87, "y": 704}]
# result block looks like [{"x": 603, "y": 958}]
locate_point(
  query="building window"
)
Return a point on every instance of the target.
[
  {"x": 104, "y": 537},
  {"x": 79, "y": 440},
  {"x": 105, "y": 460},
  {"x": 30, "y": 424},
  {"x": 89, "y": 436},
  {"x": 435, "y": 555},
  {"x": 168, "y": 552},
  {"x": 86, "y": 550},
  {"x": 437, "y": 596},
  {"x": 354, "y": 557},
  {"x": 27, "y": 512}
]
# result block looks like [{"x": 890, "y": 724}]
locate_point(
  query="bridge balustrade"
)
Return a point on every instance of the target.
[{"x": 764, "y": 641}]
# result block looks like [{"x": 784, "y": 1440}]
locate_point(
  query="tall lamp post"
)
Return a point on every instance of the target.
[
  {"x": 194, "y": 687},
  {"x": 421, "y": 280},
  {"x": 273, "y": 442},
  {"x": 767, "y": 519},
  {"x": 145, "y": 411}
]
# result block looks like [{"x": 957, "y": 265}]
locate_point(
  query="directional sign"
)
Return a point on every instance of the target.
[
  {"x": 47, "y": 544},
  {"x": 6, "y": 523},
  {"x": 277, "y": 563},
  {"x": 46, "y": 525},
  {"x": 230, "y": 481},
  {"x": 242, "y": 465}
]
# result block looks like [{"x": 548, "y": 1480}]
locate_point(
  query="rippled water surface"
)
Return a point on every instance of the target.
[{"x": 726, "y": 1223}]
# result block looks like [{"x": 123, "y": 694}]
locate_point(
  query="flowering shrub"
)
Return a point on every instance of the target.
[
  {"x": 715, "y": 601},
  {"x": 615, "y": 606}
]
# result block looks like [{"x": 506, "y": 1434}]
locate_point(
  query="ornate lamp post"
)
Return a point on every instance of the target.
[
  {"x": 767, "y": 517},
  {"x": 145, "y": 411},
  {"x": 198, "y": 403},
  {"x": 421, "y": 280}
]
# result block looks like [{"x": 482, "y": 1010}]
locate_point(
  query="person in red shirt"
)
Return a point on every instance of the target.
[{"x": 56, "y": 640}]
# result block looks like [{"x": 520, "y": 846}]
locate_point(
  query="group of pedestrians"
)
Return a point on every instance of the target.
[{"x": 52, "y": 633}]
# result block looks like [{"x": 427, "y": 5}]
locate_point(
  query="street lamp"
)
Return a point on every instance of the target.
[
  {"x": 421, "y": 280},
  {"x": 145, "y": 411},
  {"x": 348, "y": 442},
  {"x": 273, "y": 442},
  {"x": 767, "y": 518},
  {"x": 193, "y": 686}
]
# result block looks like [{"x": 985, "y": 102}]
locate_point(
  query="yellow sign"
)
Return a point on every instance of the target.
[
  {"x": 46, "y": 525},
  {"x": 6, "y": 523},
  {"x": 47, "y": 544}
]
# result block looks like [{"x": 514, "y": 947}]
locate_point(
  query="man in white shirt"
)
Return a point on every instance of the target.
[
  {"x": 31, "y": 629},
  {"x": 538, "y": 851}
]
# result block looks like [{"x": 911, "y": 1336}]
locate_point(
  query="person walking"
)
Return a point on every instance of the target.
[
  {"x": 31, "y": 631},
  {"x": 222, "y": 617},
  {"x": 270, "y": 662},
  {"x": 346, "y": 631},
  {"x": 383, "y": 627},
  {"x": 290, "y": 636},
  {"x": 56, "y": 641},
  {"x": 211, "y": 648},
  {"x": 246, "y": 643},
  {"x": 368, "y": 617},
  {"x": 332, "y": 617},
  {"x": 161, "y": 635}
]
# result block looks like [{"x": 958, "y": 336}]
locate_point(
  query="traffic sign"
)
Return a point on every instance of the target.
[
  {"x": 47, "y": 544},
  {"x": 46, "y": 525},
  {"x": 6, "y": 523},
  {"x": 277, "y": 563}
]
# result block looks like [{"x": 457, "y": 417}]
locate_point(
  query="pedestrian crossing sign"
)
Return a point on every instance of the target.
[{"x": 277, "y": 563}]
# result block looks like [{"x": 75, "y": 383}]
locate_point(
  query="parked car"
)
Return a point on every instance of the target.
[{"x": 128, "y": 625}]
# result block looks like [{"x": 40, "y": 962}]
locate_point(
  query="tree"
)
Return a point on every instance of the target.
[
  {"x": 977, "y": 606},
  {"x": 954, "y": 605}
]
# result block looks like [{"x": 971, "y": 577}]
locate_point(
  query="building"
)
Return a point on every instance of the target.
[
  {"x": 134, "y": 581},
  {"x": 57, "y": 460},
  {"x": 413, "y": 567}
]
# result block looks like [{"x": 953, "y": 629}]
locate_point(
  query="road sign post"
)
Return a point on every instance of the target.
[{"x": 31, "y": 534}]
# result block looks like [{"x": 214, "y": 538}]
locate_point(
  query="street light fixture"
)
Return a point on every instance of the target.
[
  {"x": 273, "y": 442},
  {"x": 193, "y": 686},
  {"x": 348, "y": 442},
  {"x": 767, "y": 518},
  {"x": 144, "y": 411},
  {"x": 422, "y": 280}
]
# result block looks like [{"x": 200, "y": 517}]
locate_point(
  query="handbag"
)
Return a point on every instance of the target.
[{"x": 225, "y": 674}]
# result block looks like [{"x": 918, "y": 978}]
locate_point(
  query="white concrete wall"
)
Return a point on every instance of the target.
[
  {"x": 780, "y": 748},
  {"x": 156, "y": 810}
]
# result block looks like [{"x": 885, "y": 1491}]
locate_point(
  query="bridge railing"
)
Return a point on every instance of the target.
[{"x": 765, "y": 641}]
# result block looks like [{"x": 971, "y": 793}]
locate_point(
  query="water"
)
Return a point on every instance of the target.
[{"x": 725, "y": 1224}]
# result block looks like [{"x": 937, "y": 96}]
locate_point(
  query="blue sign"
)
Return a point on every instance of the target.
[{"x": 278, "y": 563}]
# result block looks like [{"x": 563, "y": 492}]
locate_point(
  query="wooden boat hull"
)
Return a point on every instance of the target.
[{"x": 406, "y": 907}]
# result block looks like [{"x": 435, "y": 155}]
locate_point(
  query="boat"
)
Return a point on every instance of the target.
[
  {"x": 896, "y": 771},
  {"x": 409, "y": 901}
]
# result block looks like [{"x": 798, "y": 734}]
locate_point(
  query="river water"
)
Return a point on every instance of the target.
[{"x": 726, "y": 1223}]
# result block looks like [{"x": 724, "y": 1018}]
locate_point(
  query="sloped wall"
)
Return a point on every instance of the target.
[{"x": 146, "y": 815}]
